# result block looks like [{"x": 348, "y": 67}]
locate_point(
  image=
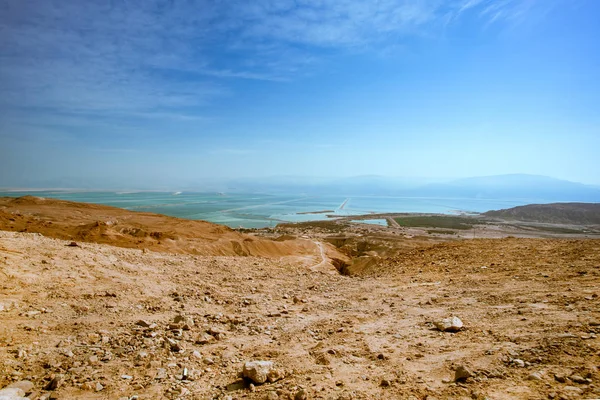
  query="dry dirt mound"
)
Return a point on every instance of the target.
[
  {"x": 101, "y": 322},
  {"x": 109, "y": 225}
]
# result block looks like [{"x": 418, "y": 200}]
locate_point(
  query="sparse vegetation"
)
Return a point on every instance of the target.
[
  {"x": 438, "y": 221},
  {"x": 441, "y": 232}
]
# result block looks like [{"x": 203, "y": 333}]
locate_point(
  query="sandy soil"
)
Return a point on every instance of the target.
[{"x": 103, "y": 322}]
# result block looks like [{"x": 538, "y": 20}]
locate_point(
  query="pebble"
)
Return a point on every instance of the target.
[{"x": 453, "y": 324}]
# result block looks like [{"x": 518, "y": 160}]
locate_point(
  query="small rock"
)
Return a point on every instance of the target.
[
  {"x": 127, "y": 377},
  {"x": 143, "y": 323},
  {"x": 453, "y": 324},
  {"x": 461, "y": 373},
  {"x": 98, "y": 387},
  {"x": 385, "y": 383},
  {"x": 275, "y": 375},
  {"x": 560, "y": 378},
  {"x": 519, "y": 363},
  {"x": 578, "y": 379},
  {"x": 271, "y": 396},
  {"x": 205, "y": 338},
  {"x": 301, "y": 395},
  {"x": 161, "y": 373},
  {"x": 257, "y": 371},
  {"x": 54, "y": 383},
  {"x": 572, "y": 390},
  {"x": 535, "y": 376}
]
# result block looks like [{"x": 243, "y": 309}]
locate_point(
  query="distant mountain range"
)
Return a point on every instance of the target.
[
  {"x": 523, "y": 187},
  {"x": 514, "y": 186}
]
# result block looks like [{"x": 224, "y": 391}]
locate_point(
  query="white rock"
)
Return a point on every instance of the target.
[
  {"x": 25, "y": 386},
  {"x": 453, "y": 324},
  {"x": 257, "y": 371},
  {"x": 12, "y": 394}
]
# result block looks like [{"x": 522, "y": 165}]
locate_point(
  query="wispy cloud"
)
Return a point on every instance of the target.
[{"x": 155, "y": 58}]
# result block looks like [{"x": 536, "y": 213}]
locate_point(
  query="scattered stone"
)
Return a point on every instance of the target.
[
  {"x": 301, "y": 395},
  {"x": 462, "y": 373},
  {"x": 453, "y": 324},
  {"x": 275, "y": 375},
  {"x": 271, "y": 396},
  {"x": 535, "y": 376},
  {"x": 578, "y": 379},
  {"x": 257, "y": 371},
  {"x": 54, "y": 383},
  {"x": 205, "y": 338},
  {"x": 25, "y": 386},
  {"x": 87, "y": 386},
  {"x": 518, "y": 362},
  {"x": 99, "y": 387},
  {"x": 560, "y": 378},
  {"x": 174, "y": 345},
  {"x": 143, "y": 323},
  {"x": 161, "y": 373},
  {"x": 385, "y": 383},
  {"x": 218, "y": 334},
  {"x": 12, "y": 394},
  {"x": 572, "y": 390},
  {"x": 127, "y": 377}
]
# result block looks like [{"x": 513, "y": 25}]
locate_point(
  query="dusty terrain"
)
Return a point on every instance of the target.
[
  {"x": 95, "y": 321},
  {"x": 102, "y": 224}
]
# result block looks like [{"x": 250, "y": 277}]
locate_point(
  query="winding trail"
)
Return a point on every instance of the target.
[{"x": 324, "y": 262}]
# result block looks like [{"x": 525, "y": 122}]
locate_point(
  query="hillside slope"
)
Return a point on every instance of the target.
[
  {"x": 555, "y": 213},
  {"x": 110, "y": 225}
]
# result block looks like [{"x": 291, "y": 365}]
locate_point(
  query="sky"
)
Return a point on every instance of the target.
[{"x": 146, "y": 92}]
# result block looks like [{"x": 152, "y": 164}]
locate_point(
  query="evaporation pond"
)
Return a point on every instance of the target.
[{"x": 382, "y": 222}]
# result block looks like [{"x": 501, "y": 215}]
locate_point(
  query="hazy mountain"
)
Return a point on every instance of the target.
[
  {"x": 515, "y": 186},
  {"x": 529, "y": 188}
]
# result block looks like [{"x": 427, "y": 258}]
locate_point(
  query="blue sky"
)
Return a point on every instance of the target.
[{"x": 142, "y": 92}]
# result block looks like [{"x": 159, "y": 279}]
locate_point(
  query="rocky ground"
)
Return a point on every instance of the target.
[{"x": 92, "y": 321}]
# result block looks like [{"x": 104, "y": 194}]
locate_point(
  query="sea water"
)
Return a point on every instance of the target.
[{"x": 263, "y": 210}]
